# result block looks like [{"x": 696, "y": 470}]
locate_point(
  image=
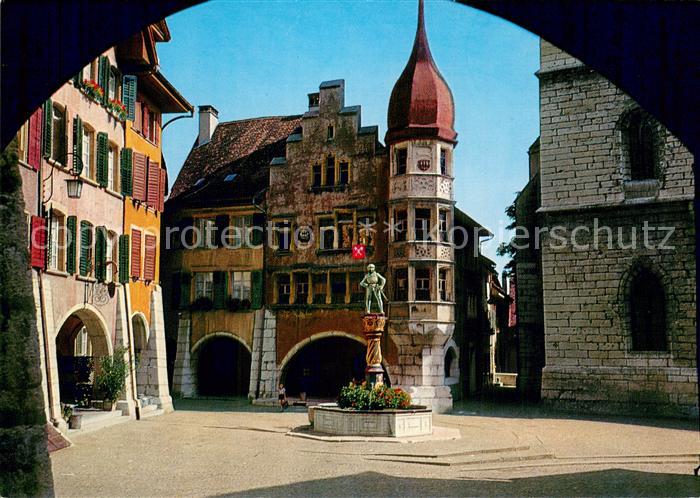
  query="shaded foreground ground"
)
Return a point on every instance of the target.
[{"x": 219, "y": 448}]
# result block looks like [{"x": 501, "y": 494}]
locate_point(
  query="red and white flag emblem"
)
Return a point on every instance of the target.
[{"x": 359, "y": 251}]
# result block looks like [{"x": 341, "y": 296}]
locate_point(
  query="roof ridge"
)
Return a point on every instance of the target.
[{"x": 260, "y": 118}]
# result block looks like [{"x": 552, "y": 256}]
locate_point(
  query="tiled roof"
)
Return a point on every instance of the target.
[{"x": 245, "y": 147}]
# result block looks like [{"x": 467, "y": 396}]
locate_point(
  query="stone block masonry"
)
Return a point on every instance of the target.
[{"x": 588, "y": 192}]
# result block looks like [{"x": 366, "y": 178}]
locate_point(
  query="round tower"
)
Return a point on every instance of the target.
[{"x": 421, "y": 139}]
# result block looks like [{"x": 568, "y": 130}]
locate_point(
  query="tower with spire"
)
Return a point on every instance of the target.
[{"x": 421, "y": 140}]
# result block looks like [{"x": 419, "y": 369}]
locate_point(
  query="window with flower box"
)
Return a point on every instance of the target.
[
  {"x": 241, "y": 285},
  {"x": 204, "y": 285}
]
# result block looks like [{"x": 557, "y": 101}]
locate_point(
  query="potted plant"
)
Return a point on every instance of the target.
[
  {"x": 245, "y": 304},
  {"x": 110, "y": 379},
  {"x": 233, "y": 304}
]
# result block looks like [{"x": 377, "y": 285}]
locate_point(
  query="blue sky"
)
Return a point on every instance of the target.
[{"x": 261, "y": 58}]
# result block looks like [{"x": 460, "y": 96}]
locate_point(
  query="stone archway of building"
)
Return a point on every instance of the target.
[
  {"x": 141, "y": 333},
  {"x": 451, "y": 364},
  {"x": 82, "y": 340},
  {"x": 321, "y": 364},
  {"x": 221, "y": 364}
]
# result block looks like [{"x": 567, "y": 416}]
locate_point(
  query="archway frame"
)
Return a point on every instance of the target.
[
  {"x": 138, "y": 315},
  {"x": 89, "y": 315},
  {"x": 323, "y": 335},
  {"x": 197, "y": 345}
]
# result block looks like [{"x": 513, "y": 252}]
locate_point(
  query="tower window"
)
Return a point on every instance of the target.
[
  {"x": 400, "y": 225},
  {"x": 331, "y": 132},
  {"x": 443, "y": 227},
  {"x": 401, "y": 284},
  {"x": 422, "y": 225},
  {"x": 647, "y": 307},
  {"x": 443, "y": 285},
  {"x": 422, "y": 284},
  {"x": 443, "y": 162},
  {"x": 401, "y": 161},
  {"x": 641, "y": 137}
]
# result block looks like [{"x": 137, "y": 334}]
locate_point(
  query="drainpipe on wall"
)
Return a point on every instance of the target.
[
  {"x": 132, "y": 364},
  {"x": 47, "y": 362},
  {"x": 262, "y": 334}
]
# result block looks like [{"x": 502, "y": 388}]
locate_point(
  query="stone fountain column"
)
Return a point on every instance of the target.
[{"x": 373, "y": 327}]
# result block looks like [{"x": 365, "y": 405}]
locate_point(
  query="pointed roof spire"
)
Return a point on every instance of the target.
[{"x": 421, "y": 104}]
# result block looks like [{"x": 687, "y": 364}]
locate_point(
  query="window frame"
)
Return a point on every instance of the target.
[{"x": 401, "y": 161}]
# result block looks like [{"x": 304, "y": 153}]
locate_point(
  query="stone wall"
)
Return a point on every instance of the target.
[{"x": 585, "y": 187}]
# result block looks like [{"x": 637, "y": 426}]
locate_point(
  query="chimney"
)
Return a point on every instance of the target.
[{"x": 208, "y": 119}]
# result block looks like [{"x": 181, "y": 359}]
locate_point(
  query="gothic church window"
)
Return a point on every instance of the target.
[
  {"x": 641, "y": 146},
  {"x": 647, "y": 312}
]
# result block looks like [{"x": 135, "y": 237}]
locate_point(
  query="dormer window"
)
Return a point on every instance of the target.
[
  {"x": 331, "y": 132},
  {"x": 313, "y": 100}
]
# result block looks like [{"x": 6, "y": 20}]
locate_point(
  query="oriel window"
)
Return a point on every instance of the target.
[
  {"x": 401, "y": 161},
  {"x": 400, "y": 225},
  {"x": 401, "y": 284},
  {"x": 422, "y": 284},
  {"x": 422, "y": 224}
]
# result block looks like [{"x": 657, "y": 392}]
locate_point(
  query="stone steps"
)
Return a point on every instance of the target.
[{"x": 96, "y": 420}]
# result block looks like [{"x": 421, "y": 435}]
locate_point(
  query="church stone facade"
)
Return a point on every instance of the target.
[{"x": 618, "y": 275}]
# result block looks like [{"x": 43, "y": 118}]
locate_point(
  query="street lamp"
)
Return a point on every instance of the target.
[{"x": 75, "y": 184}]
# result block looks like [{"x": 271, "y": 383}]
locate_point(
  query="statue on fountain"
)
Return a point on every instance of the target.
[{"x": 373, "y": 283}]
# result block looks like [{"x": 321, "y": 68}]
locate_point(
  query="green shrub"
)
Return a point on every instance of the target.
[
  {"x": 113, "y": 372},
  {"x": 362, "y": 397}
]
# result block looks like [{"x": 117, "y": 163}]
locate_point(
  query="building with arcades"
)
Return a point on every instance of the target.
[
  {"x": 267, "y": 211},
  {"x": 80, "y": 184}
]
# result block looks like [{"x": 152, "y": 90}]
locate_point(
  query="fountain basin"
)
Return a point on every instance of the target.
[{"x": 328, "y": 418}]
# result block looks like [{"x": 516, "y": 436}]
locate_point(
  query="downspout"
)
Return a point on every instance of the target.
[
  {"x": 132, "y": 363},
  {"x": 262, "y": 334},
  {"x": 42, "y": 307}
]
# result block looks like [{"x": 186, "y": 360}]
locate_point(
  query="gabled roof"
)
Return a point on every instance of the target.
[{"x": 245, "y": 147}]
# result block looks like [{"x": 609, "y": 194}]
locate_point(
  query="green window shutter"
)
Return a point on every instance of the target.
[
  {"x": 257, "y": 290},
  {"x": 72, "y": 242},
  {"x": 77, "y": 145},
  {"x": 123, "y": 259},
  {"x": 48, "y": 128},
  {"x": 103, "y": 76},
  {"x": 125, "y": 171},
  {"x": 85, "y": 248},
  {"x": 101, "y": 254},
  {"x": 185, "y": 290},
  {"x": 129, "y": 95},
  {"x": 102, "y": 159},
  {"x": 78, "y": 79},
  {"x": 63, "y": 145},
  {"x": 220, "y": 290}
]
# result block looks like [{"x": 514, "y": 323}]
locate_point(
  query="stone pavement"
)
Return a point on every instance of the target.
[{"x": 218, "y": 448}]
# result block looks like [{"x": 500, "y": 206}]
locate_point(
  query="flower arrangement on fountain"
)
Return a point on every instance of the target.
[
  {"x": 93, "y": 90},
  {"x": 364, "y": 397},
  {"x": 117, "y": 108}
]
